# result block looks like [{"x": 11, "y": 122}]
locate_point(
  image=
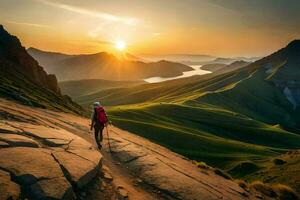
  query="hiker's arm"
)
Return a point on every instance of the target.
[
  {"x": 93, "y": 119},
  {"x": 92, "y": 124}
]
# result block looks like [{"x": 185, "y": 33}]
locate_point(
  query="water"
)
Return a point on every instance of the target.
[{"x": 197, "y": 71}]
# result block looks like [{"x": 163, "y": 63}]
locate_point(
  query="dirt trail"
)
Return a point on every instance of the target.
[
  {"x": 121, "y": 175},
  {"x": 146, "y": 170}
]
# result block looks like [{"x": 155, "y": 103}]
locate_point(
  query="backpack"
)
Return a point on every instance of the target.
[{"x": 101, "y": 115}]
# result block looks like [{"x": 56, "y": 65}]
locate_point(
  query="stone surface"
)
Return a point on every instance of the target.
[
  {"x": 5, "y": 128},
  {"x": 79, "y": 170},
  {"x": 29, "y": 164},
  {"x": 8, "y": 189},
  {"x": 18, "y": 140},
  {"x": 88, "y": 154},
  {"x": 80, "y": 144},
  {"x": 56, "y": 188},
  {"x": 55, "y": 142},
  {"x": 44, "y": 132},
  {"x": 168, "y": 172},
  {"x": 3, "y": 144},
  {"x": 42, "y": 155},
  {"x": 107, "y": 176},
  {"x": 122, "y": 192}
]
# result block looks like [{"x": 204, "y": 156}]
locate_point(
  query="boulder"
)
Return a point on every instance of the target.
[
  {"x": 43, "y": 132},
  {"x": 80, "y": 143},
  {"x": 91, "y": 155},
  {"x": 55, "y": 142},
  {"x": 78, "y": 170},
  {"x": 56, "y": 188},
  {"x": 29, "y": 165},
  {"x": 122, "y": 192}
]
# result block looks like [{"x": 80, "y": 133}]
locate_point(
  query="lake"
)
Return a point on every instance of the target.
[{"x": 196, "y": 71}]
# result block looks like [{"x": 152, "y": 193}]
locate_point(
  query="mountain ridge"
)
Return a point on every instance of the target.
[
  {"x": 25, "y": 81},
  {"x": 15, "y": 56},
  {"x": 104, "y": 65}
]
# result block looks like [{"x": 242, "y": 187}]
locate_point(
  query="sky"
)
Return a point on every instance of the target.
[{"x": 225, "y": 28}]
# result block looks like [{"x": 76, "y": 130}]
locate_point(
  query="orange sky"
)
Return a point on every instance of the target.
[{"x": 214, "y": 27}]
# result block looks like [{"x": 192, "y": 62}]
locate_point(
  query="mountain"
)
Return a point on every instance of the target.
[
  {"x": 228, "y": 61},
  {"x": 25, "y": 81},
  {"x": 47, "y": 58},
  {"x": 272, "y": 84},
  {"x": 104, "y": 66},
  {"x": 195, "y": 59},
  {"x": 187, "y": 59},
  {"x": 213, "y": 67},
  {"x": 246, "y": 115},
  {"x": 13, "y": 57},
  {"x": 223, "y": 68}
]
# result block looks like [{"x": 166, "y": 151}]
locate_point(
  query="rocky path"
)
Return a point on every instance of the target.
[{"x": 50, "y": 154}]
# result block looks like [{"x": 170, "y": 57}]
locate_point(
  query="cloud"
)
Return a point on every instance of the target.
[
  {"x": 29, "y": 24},
  {"x": 98, "y": 14}
]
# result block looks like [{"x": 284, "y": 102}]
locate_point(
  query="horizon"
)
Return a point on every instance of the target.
[{"x": 216, "y": 28}]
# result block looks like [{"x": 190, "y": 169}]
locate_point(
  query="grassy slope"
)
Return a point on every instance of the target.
[
  {"x": 205, "y": 133},
  {"x": 82, "y": 90},
  {"x": 269, "y": 171},
  {"x": 173, "y": 115},
  {"x": 14, "y": 86}
]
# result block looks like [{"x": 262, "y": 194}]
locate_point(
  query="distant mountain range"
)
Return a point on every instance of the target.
[
  {"x": 24, "y": 80},
  {"x": 223, "y": 68},
  {"x": 196, "y": 59},
  {"x": 104, "y": 66}
]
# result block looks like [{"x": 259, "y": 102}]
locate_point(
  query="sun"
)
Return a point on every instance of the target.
[{"x": 120, "y": 45}]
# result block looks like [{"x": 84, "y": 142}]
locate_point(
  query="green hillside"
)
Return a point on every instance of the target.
[
  {"x": 205, "y": 133},
  {"x": 82, "y": 90}
]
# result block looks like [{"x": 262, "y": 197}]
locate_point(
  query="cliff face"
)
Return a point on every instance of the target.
[{"x": 14, "y": 57}]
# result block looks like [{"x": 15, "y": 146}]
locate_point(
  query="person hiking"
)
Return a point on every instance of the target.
[{"x": 99, "y": 121}]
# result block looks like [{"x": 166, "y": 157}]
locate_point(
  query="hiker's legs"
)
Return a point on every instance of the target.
[
  {"x": 101, "y": 133},
  {"x": 97, "y": 130}
]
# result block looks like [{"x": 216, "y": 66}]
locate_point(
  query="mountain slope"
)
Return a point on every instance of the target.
[
  {"x": 223, "y": 68},
  {"x": 104, "y": 66},
  {"x": 271, "y": 91},
  {"x": 79, "y": 88},
  {"x": 23, "y": 80},
  {"x": 14, "y": 57}
]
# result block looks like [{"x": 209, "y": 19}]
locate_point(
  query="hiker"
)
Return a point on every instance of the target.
[{"x": 99, "y": 121}]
